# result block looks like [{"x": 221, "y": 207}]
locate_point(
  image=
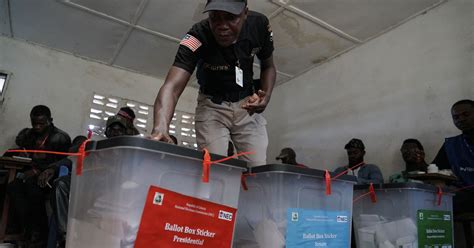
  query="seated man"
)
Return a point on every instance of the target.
[
  {"x": 27, "y": 198},
  {"x": 413, "y": 154},
  {"x": 61, "y": 187},
  {"x": 457, "y": 154},
  {"x": 43, "y": 136},
  {"x": 116, "y": 126},
  {"x": 288, "y": 156},
  {"x": 129, "y": 115},
  {"x": 365, "y": 173}
]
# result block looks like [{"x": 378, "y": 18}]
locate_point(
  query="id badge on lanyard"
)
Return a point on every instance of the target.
[{"x": 239, "y": 75}]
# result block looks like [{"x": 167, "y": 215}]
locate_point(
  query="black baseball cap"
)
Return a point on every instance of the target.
[
  {"x": 232, "y": 6},
  {"x": 355, "y": 143},
  {"x": 286, "y": 153},
  {"x": 116, "y": 119}
]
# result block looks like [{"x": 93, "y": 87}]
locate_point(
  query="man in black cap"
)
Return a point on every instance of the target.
[
  {"x": 223, "y": 48},
  {"x": 365, "y": 173},
  {"x": 129, "y": 115},
  {"x": 288, "y": 156},
  {"x": 117, "y": 126}
]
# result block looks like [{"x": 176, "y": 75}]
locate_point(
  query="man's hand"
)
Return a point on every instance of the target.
[
  {"x": 256, "y": 103},
  {"x": 160, "y": 135},
  {"x": 30, "y": 173},
  {"x": 45, "y": 176}
]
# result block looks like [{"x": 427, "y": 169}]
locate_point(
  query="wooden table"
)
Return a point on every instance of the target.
[
  {"x": 12, "y": 165},
  {"x": 436, "y": 179}
]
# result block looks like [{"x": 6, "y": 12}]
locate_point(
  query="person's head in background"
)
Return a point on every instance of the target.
[
  {"x": 463, "y": 116},
  {"x": 129, "y": 115},
  {"x": 41, "y": 120},
  {"x": 116, "y": 126},
  {"x": 230, "y": 149},
  {"x": 413, "y": 154},
  {"x": 77, "y": 142},
  {"x": 287, "y": 156},
  {"x": 355, "y": 151},
  {"x": 175, "y": 140}
]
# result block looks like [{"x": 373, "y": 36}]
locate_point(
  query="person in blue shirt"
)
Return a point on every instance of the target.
[
  {"x": 457, "y": 154},
  {"x": 365, "y": 173}
]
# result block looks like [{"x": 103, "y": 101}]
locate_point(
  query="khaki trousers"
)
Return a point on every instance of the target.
[{"x": 217, "y": 124}]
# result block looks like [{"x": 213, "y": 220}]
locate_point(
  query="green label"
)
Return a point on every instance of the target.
[{"x": 435, "y": 229}]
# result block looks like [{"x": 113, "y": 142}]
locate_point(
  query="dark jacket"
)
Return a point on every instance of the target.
[{"x": 57, "y": 140}]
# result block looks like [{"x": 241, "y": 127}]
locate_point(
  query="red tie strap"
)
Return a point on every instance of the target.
[
  {"x": 349, "y": 169},
  {"x": 371, "y": 193},
  {"x": 328, "y": 182},
  {"x": 80, "y": 158},
  {"x": 207, "y": 162},
  {"x": 243, "y": 180},
  {"x": 461, "y": 189},
  {"x": 373, "y": 197},
  {"x": 81, "y": 154},
  {"x": 206, "y": 166},
  {"x": 440, "y": 195}
]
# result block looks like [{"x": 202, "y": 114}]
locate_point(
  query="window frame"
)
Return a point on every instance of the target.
[
  {"x": 5, "y": 85},
  {"x": 99, "y": 111}
]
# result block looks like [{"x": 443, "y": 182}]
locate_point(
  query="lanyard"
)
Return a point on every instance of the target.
[{"x": 44, "y": 141}]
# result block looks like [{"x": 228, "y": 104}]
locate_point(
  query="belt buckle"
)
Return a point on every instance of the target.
[{"x": 217, "y": 99}]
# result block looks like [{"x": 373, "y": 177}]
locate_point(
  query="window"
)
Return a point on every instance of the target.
[
  {"x": 103, "y": 106},
  {"x": 4, "y": 76}
]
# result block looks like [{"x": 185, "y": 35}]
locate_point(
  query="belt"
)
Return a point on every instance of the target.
[{"x": 219, "y": 97}]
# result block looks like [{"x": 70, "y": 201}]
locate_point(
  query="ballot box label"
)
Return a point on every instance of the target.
[
  {"x": 435, "y": 229},
  {"x": 317, "y": 228},
  {"x": 174, "y": 220}
]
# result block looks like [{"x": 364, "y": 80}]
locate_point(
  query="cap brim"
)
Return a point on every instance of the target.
[
  {"x": 233, "y": 8},
  {"x": 281, "y": 156}
]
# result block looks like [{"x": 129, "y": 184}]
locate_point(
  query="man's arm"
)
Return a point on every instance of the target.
[
  {"x": 375, "y": 175},
  {"x": 267, "y": 78},
  {"x": 166, "y": 101},
  {"x": 441, "y": 160},
  {"x": 22, "y": 138},
  {"x": 59, "y": 142}
]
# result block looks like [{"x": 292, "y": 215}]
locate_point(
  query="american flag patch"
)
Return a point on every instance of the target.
[{"x": 190, "y": 42}]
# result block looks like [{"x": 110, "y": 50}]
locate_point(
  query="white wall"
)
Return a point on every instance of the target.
[
  {"x": 65, "y": 83},
  {"x": 399, "y": 85}
]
